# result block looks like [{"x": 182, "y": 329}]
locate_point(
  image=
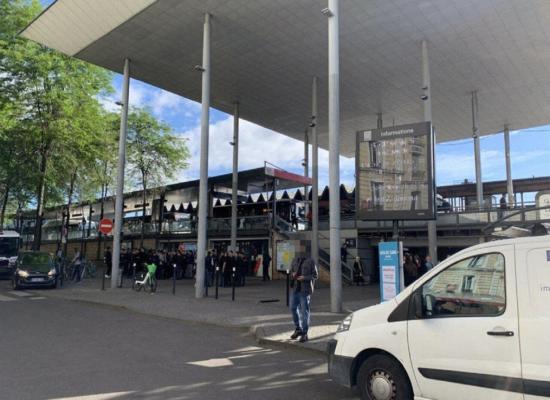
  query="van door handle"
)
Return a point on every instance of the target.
[{"x": 500, "y": 333}]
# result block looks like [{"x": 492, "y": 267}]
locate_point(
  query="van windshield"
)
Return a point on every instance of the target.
[{"x": 8, "y": 246}]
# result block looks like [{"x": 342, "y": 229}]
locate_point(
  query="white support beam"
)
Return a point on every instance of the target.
[
  {"x": 477, "y": 151},
  {"x": 509, "y": 181},
  {"x": 427, "y": 96},
  {"x": 235, "y": 182},
  {"x": 119, "y": 201},
  {"x": 306, "y": 169},
  {"x": 334, "y": 154},
  {"x": 203, "y": 185},
  {"x": 314, "y": 175}
]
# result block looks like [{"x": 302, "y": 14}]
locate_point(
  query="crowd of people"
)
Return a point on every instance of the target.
[
  {"x": 230, "y": 265},
  {"x": 414, "y": 267},
  {"x": 181, "y": 262}
]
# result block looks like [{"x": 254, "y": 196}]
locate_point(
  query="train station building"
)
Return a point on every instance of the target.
[{"x": 347, "y": 73}]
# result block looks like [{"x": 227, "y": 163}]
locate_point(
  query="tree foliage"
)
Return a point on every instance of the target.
[
  {"x": 57, "y": 142},
  {"x": 154, "y": 154},
  {"x": 51, "y": 117}
]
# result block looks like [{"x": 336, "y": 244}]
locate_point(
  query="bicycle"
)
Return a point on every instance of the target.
[
  {"x": 88, "y": 269},
  {"x": 148, "y": 282}
]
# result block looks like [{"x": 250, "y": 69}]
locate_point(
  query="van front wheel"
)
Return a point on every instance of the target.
[{"x": 382, "y": 378}]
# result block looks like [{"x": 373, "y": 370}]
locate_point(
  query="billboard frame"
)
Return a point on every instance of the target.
[{"x": 398, "y": 132}]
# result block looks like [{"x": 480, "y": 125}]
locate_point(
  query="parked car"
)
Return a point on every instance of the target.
[
  {"x": 34, "y": 269},
  {"x": 474, "y": 327},
  {"x": 9, "y": 247}
]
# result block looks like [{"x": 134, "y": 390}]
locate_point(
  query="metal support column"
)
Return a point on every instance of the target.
[
  {"x": 314, "y": 175},
  {"x": 427, "y": 97},
  {"x": 235, "y": 183},
  {"x": 203, "y": 185},
  {"x": 306, "y": 170},
  {"x": 477, "y": 152},
  {"x": 509, "y": 181},
  {"x": 119, "y": 200},
  {"x": 334, "y": 154}
]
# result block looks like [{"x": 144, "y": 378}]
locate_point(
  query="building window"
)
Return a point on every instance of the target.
[
  {"x": 377, "y": 195},
  {"x": 375, "y": 154}
]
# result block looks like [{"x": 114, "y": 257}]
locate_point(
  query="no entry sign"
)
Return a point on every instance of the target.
[{"x": 106, "y": 226}]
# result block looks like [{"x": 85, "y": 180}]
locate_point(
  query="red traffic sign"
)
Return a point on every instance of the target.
[{"x": 106, "y": 226}]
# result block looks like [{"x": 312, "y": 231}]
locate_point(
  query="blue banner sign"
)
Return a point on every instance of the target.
[{"x": 389, "y": 255}]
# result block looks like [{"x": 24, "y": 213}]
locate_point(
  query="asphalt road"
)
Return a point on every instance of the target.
[{"x": 59, "y": 349}]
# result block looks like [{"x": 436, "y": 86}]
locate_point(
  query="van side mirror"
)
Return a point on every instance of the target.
[{"x": 417, "y": 304}]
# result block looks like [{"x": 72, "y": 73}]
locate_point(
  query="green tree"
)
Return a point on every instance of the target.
[
  {"x": 15, "y": 161},
  {"x": 155, "y": 155},
  {"x": 57, "y": 97}
]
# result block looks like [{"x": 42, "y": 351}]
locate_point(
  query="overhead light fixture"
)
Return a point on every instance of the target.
[
  {"x": 327, "y": 12},
  {"x": 232, "y": 143},
  {"x": 199, "y": 68},
  {"x": 119, "y": 103}
]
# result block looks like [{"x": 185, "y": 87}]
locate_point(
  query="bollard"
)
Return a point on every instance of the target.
[
  {"x": 174, "y": 280},
  {"x": 134, "y": 273},
  {"x": 61, "y": 274},
  {"x": 217, "y": 280},
  {"x": 103, "y": 278},
  {"x": 121, "y": 276},
  {"x": 287, "y": 287},
  {"x": 233, "y": 285}
]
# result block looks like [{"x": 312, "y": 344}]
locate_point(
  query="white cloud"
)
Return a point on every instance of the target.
[
  {"x": 138, "y": 94},
  {"x": 256, "y": 145},
  {"x": 163, "y": 102}
]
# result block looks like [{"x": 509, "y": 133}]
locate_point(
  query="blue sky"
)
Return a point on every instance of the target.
[{"x": 530, "y": 149}]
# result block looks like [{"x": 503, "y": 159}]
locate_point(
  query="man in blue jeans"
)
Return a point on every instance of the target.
[{"x": 303, "y": 275}]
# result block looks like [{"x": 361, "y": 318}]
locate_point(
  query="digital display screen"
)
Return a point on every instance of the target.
[{"x": 395, "y": 179}]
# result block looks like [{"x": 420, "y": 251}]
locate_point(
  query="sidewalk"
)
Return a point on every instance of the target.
[{"x": 259, "y": 307}]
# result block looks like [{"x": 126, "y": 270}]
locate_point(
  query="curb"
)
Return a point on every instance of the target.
[
  {"x": 261, "y": 338},
  {"x": 256, "y": 331}
]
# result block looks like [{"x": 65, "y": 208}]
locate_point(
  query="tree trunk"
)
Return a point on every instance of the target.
[
  {"x": 101, "y": 215},
  {"x": 4, "y": 205},
  {"x": 160, "y": 218},
  {"x": 68, "y": 214},
  {"x": 40, "y": 202},
  {"x": 89, "y": 230},
  {"x": 143, "y": 208}
]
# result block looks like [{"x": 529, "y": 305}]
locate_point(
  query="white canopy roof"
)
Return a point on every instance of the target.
[{"x": 265, "y": 52}]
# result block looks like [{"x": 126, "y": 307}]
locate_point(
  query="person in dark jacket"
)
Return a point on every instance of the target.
[
  {"x": 304, "y": 274},
  {"x": 266, "y": 260},
  {"x": 228, "y": 268},
  {"x": 344, "y": 253},
  {"x": 180, "y": 260},
  {"x": 243, "y": 269},
  {"x": 209, "y": 266},
  {"x": 410, "y": 270},
  {"x": 108, "y": 259}
]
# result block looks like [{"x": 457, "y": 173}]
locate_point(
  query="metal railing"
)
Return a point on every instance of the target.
[
  {"x": 526, "y": 216},
  {"x": 251, "y": 223},
  {"x": 324, "y": 258},
  {"x": 450, "y": 219}
]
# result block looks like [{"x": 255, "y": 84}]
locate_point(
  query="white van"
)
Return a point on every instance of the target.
[{"x": 475, "y": 327}]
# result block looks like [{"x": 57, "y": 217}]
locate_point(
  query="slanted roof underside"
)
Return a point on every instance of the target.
[{"x": 265, "y": 52}]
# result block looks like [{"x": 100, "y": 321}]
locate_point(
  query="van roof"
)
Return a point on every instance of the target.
[
  {"x": 535, "y": 240},
  {"x": 9, "y": 234}
]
